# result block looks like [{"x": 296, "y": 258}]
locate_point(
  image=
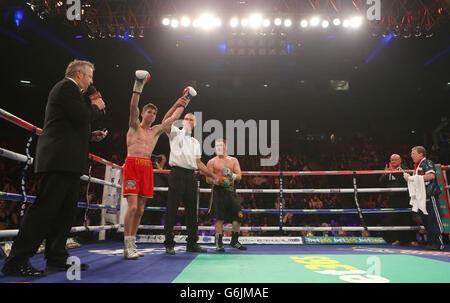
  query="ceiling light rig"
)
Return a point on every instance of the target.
[{"x": 131, "y": 19}]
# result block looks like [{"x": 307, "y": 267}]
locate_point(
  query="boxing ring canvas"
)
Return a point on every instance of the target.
[{"x": 260, "y": 264}]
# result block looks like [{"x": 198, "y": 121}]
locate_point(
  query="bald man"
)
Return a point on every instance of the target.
[{"x": 397, "y": 200}]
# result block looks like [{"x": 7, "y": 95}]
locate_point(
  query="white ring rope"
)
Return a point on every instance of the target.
[
  {"x": 296, "y": 228},
  {"x": 14, "y": 232},
  {"x": 22, "y": 158}
]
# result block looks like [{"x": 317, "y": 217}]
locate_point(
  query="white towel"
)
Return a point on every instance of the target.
[{"x": 416, "y": 189}]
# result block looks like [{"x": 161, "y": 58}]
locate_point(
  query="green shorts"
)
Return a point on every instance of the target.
[{"x": 225, "y": 205}]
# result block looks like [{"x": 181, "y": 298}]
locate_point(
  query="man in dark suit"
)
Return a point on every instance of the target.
[
  {"x": 397, "y": 200},
  {"x": 61, "y": 158}
]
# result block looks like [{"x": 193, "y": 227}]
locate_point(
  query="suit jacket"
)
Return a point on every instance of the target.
[
  {"x": 396, "y": 199},
  {"x": 63, "y": 145}
]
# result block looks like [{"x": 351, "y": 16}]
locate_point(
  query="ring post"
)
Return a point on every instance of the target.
[
  {"x": 281, "y": 202},
  {"x": 357, "y": 204},
  {"x": 198, "y": 194},
  {"x": 24, "y": 174}
]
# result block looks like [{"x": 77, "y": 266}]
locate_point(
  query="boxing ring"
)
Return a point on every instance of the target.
[{"x": 277, "y": 259}]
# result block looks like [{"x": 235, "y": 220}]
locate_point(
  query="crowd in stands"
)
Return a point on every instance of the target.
[{"x": 313, "y": 157}]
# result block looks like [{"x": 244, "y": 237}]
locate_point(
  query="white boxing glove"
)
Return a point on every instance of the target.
[
  {"x": 406, "y": 176},
  {"x": 189, "y": 92},
  {"x": 142, "y": 77}
]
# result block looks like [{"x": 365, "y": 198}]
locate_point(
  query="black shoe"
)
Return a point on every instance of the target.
[
  {"x": 170, "y": 250},
  {"x": 238, "y": 246},
  {"x": 433, "y": 247},
  {"x": 63, "y": 266},
  {"x": 22, "y": 270},
  {"x": 195, "y": 248},
  {"x": 219, "y": 242}
]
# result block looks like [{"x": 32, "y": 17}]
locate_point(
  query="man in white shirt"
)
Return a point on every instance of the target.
[{"x": 184, "y": 159}]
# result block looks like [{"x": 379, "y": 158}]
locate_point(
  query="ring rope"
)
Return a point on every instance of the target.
[
  {"x": 31, "y": 199},
  {"x": 22, "y": 158},
  {"x": 14, "y": 232},
  {"x": 296, "y": 228},
  {"x": 28, "y": 126}
]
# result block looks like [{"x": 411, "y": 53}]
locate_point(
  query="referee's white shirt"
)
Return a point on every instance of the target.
[{"x": 184, "y": 149}]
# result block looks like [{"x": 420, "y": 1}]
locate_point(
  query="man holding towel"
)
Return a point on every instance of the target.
[{"x": 424, "y": 168}]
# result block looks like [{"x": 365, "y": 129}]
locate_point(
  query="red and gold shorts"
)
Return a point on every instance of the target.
[{"x": 137, "y": 177}]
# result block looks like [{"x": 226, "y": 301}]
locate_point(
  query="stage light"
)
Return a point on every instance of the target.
[
  {"x": 356, "y": 22},
  {"x": 304, "y": 23},
  {"x": 337, "y": 21},
  {"x": 325, "y": 23},
  {"x": 244, "y": 22},
  {"x": 266, "y": 22},
  {"x": 346, "y": 23},
  {"x": 18, "y": 16},
  {"x": 255, "y": 21},
  {"x": 174, "y": 23},
  {"x": 185, "y": 21},
  {"x": 277, "y": 21},
  {"x": 315, "y": 21},
  {"x": 287, "y": 22},
  {"x": 418, "y": 31},
  {"x": 121, "y": 33},
  {"x": 428, "y": 32},
  {"x": 406, "y": 32},
  {"x": 196, "y": 23},
  {"x": 207, "y": 21},
  {"x": 234, "y": 22},
  {"x": 376, "y": 32},
  {"x": 217, "y": 22},
  {"x": 112, "y": 32},
  {"x": 396, "y": 31},
  {"x": 166, "y": 21}
]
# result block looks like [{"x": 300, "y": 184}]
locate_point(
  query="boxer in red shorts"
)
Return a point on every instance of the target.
[
  {"x": 138, "y": 177},
  {"x": 137, "y": 171}
]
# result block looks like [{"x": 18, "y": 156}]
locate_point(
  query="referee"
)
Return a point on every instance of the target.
[{"x": 184, "y": 159}]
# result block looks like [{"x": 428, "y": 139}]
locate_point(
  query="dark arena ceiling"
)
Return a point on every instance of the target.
[{"x": 318, "y": 66}]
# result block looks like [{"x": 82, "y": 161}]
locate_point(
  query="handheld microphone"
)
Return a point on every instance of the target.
[{"x": 93, "y": 95}]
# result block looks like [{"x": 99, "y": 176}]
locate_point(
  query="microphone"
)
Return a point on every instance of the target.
[{"x": 93, "y": 95}]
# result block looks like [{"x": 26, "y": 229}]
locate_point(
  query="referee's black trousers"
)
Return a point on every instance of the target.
[
  {"x": 182, "y": 187},
  {"x": 49, "y": 218}
]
